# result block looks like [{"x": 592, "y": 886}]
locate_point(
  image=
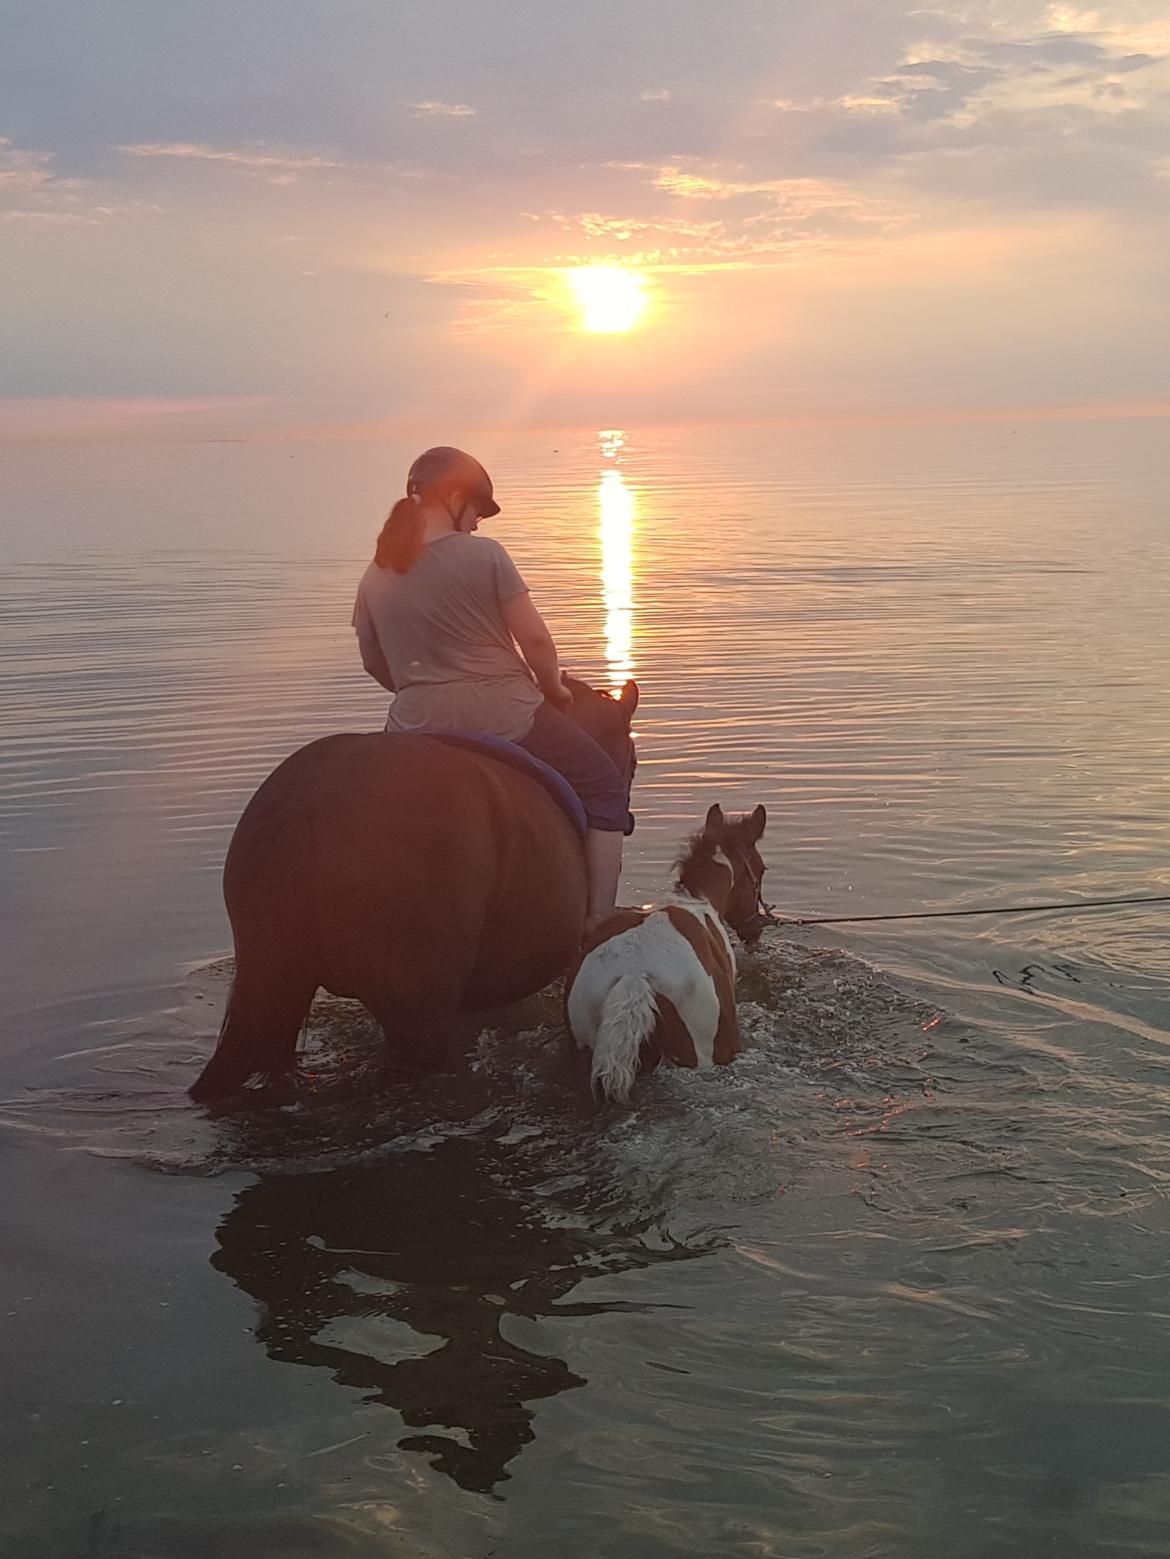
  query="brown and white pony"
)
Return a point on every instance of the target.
[{"x": 660, "y": 981}]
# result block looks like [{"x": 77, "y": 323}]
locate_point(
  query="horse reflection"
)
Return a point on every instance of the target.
[{"x": 432, "y": 1241}]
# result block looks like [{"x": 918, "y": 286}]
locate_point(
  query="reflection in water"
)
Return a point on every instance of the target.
[
  {"x": 615, "y": 501},
  {"x": 341, "y": 1262}
]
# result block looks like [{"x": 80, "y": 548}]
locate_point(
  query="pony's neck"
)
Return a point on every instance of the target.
[
  {"x": 697, "y": 903},
  {"x": 701, "y": 876}
]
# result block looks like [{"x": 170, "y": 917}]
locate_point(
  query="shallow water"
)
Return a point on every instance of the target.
[{"x": 894, "y": 1283}]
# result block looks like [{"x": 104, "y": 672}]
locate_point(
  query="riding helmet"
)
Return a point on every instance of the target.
[{"x": 444, "y": 469}]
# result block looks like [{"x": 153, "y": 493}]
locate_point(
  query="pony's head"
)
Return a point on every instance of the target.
[
  {"x": 722, "y": 864},
  {"x": 607, "y": 719}
]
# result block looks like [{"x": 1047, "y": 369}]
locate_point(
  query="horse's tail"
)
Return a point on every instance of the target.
[
  {"x": 628, "y": 1018},
  {"x": 276, "y": 969}
]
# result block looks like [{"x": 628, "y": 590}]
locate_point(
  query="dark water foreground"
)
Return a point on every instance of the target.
[{"x": 883, "y": 1279}]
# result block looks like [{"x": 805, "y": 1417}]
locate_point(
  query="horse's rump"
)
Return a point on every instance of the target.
[{"x": 434, "y": 867}]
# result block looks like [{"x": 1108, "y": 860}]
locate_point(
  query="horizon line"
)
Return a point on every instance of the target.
[{"x": 70, "y": 419}]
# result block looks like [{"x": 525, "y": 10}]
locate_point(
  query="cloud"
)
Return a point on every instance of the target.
[
  {"x": 22, "y": 171},
  {"x": 787, "y": 209},
  {"x": 432, "y": 110},
  {"x": 976, "y": 74},
  {"x": 1011, "y": 106},
  {"x": 277, "y": 167},
  {"x": 33, "y": 193},
  {"x": 659, "y": 95},
  {"x": 592, "y": 224},
  {"x": 91, "y": 214}
]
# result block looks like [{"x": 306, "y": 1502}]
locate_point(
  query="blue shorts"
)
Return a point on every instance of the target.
[{"x": 564, "y": 746}]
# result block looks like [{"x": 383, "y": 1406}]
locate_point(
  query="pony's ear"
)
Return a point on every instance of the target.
[
  {"x": 629, "y": 697},
  {"x": 755, "y": 824},
  {"x": 715, "y": 820}
]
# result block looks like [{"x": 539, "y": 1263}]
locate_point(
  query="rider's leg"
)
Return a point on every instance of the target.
[
  {"x": 603, "y": 864},
  {"x": 564, "y": 745}
]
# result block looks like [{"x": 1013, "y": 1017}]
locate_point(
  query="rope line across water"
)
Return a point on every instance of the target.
[{"x": 953, "y": 914}]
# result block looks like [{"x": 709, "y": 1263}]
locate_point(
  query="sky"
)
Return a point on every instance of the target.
[{"x": 262, "y": 216}]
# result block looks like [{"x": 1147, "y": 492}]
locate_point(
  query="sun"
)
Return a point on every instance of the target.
[{"x": 611, "y": 298}]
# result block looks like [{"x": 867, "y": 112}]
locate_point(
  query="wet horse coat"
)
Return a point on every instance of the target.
[{"x": 661, "y": 981}]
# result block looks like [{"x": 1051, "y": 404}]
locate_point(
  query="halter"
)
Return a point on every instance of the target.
[{"x": 763, "y": 914}]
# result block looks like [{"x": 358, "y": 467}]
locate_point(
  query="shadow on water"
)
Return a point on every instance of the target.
[{"x": 363, "y": 1270}]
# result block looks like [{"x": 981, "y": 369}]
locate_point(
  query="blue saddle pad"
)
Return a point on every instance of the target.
[{"x": 554, "y": 782}]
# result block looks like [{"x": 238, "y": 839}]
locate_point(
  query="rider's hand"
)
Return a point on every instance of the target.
[{"x": 562, "y": 697}]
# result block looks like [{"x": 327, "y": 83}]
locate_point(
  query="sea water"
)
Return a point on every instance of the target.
[{"x": 893, "y": 1283}]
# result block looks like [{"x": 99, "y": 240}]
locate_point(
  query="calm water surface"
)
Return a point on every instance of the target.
[{"x": 896, "y": 1283}]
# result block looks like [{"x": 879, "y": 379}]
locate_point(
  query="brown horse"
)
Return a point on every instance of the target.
[{"x": 421, "y": 878}]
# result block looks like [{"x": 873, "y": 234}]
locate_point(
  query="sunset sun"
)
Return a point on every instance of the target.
[{"x": 611, "y": 298}]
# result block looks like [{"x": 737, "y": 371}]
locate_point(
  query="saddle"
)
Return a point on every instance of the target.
[{"x": 508, "y": 752}]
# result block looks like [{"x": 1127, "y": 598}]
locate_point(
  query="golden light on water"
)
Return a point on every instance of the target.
[
  {"x": 611, "y": 298},
  {"x": 617, "y": 510}
]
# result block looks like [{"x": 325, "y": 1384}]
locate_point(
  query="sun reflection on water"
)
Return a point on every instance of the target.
[{"x": 617, "y": 510}]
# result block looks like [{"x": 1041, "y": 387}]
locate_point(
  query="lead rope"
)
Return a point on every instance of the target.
[{"x": 769, "y": 917}]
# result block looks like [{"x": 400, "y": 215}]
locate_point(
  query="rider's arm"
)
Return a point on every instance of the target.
[
  {"x": 527, "y": 627},
  {"x": 371, "y": 651},
  {"x": 375, "y": 663}
]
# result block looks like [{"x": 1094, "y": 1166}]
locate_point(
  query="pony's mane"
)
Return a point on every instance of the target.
[{"x": 698, "y": 851}]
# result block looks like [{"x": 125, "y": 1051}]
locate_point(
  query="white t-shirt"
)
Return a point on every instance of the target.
[{"x": 441, "y": 628}]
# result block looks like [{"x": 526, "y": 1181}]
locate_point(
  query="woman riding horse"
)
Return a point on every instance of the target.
[
  {"x": 423, "y": 879},
  {"x": 439, "y": 614}
]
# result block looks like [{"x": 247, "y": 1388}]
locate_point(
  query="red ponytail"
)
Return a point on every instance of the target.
[{"x": 400, "y": 539}]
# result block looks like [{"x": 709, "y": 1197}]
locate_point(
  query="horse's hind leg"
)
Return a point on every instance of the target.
[
  {"x": 269, "y": 892},
  {"x": 417, "y": 998},
  {"x": 260, "y": 1029},
  {"x": 435, "y": 1039}
]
